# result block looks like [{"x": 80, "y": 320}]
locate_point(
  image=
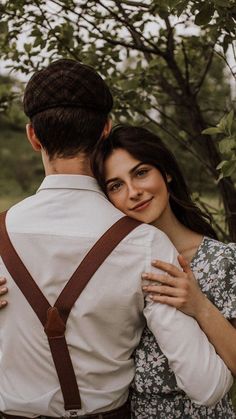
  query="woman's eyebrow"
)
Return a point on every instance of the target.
[
  {"x": 135, "y": 167},
  {"x": 114, "y": 179}
]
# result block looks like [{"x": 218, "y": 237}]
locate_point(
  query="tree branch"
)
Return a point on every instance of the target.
[
  {"x": 183, "y": 144},
  {"x": 186, "y": 63},
  {"x": 72, "y": 54},
  {"x": 135, "y": 4},
  {"x": 226, "y": 62},
  {"x": 111, "y": 41},
  {"x": 136, "y": 37},
  {"x": 170, "y": 59},
  {"x": 127, "y": 23},
  {"x": 209, "y": 62}
]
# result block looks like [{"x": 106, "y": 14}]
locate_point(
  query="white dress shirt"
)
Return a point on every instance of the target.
[{"x": 52, "y": 231}]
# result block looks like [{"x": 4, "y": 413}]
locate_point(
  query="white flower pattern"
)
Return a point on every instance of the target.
[{"x": 154, "y": 392}]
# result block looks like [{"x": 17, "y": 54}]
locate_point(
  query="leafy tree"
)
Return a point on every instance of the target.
[
  {"x": 11, "y": 112},
  {"x": 164, "y": 60},
  {"x": 20, "y": 167}
]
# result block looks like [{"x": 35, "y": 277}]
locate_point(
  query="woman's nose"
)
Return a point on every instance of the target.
[{"x": 134, "y": 193}]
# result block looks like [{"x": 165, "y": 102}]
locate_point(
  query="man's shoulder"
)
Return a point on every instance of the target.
[{"x": 146, "y": 234}]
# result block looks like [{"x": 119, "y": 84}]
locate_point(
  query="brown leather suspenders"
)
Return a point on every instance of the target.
[{"x": 54, "y": 318}]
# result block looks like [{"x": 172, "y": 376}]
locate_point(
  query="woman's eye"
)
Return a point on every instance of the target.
[
  {"x": 141, "y": 172},
  {"x": 114, "y": 187}
]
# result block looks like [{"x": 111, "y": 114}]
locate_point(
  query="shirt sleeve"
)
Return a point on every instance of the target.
[
  {"x": 222, "y": 292},
  {"x": 199, "y": 371}
]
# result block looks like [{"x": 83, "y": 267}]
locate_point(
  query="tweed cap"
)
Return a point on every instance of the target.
[{"x": 66, "y": 83}]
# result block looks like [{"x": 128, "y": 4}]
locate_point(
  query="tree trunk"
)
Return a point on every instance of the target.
[{"x": 209, "y": 150}]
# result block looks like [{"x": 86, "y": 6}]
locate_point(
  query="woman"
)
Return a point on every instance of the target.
[{"x": 142, "y": 178}]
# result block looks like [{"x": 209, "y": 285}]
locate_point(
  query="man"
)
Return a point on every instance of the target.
[{"x": 68, "y": 105}]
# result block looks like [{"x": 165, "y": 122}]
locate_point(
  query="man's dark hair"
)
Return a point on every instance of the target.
[{"x": 68, "y": 104}]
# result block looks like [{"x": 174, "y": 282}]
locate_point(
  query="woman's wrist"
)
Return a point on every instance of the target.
[{"x": 203, "y": 309}]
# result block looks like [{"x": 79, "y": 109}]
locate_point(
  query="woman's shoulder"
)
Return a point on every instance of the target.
[
  {"x": 215, "y": 264},
  {"x": 215, "y": 270},
  {"x": 217, "y": 250}
]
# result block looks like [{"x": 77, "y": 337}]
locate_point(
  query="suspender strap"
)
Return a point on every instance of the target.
[{"x": 54, "y": 318}]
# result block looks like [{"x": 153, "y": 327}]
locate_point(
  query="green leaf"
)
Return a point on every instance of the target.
[
  {"x": 230, "y": 119},
  {"x": 227, "y": 168},
  {"x": 221, "y": 164},
  {"x": 225, "y": 123},
  {"x": 227, "y": 145},
  {"x": 212, "y": 131},
  {"x": 205, "y": 15},
  {"x": 27, "y": 47},
  {"x": 181, "y": 7}
]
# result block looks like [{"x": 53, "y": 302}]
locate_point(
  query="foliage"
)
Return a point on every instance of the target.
[
  {"x": 20, "y": 167},
  {"x": 11, "y": 112},
  {"x": 164, "y": 60},
  {"x": 227, "y": 144}
]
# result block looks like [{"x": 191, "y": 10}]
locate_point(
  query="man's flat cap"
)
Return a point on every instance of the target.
[{"x": 66, "y": 83}]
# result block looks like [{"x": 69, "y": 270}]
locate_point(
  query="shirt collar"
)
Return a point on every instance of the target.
[{"x": 70, "y": 182}]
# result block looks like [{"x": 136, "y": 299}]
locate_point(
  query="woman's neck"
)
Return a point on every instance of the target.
[{"x": 185, "y": 240}]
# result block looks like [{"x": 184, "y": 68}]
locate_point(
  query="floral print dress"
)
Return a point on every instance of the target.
[{"x": 154, "y": 392}]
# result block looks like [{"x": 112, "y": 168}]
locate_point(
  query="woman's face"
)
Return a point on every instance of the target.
[{"x": 137, "y": 189}]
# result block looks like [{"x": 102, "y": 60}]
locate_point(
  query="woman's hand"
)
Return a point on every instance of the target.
[
  {"x": 176, "y": 287},
  {"x": 3, "y": 291}
]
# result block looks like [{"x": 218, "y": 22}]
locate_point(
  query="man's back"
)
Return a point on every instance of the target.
[{"x": 52, "y": 231}]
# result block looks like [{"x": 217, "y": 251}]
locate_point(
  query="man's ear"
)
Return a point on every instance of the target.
[
  {"x": 33, "y": 139},
  {"x": 107, "y": 128}
]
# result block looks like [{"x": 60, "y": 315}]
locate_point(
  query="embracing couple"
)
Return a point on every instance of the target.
[{"x": 107, "y": 339}]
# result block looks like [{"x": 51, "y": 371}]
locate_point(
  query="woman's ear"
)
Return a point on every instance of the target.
[{"x": 33, "y": 139}]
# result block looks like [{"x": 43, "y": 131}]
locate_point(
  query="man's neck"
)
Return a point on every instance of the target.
[{"x": 79, "y": 165}]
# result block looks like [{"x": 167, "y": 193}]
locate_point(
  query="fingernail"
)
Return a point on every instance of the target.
[
  {"x": 151, "y": 296},
  {"x": 3, "y": 303},
  {"x": 3, "y": 290},
  {"x": 155, "y": 261},
  {"x": 145, "y": 288},
  {"x": 144, "y": 276}
]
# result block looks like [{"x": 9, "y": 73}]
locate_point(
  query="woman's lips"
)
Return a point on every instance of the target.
[{"x": 142, "y": 205}]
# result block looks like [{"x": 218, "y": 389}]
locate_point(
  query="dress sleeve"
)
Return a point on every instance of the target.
[{"x": 223, "y": 290}]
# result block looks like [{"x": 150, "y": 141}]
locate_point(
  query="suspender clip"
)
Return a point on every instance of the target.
[{"x": 54, "y": 326}]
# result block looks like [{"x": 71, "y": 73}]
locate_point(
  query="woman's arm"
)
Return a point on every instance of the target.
[
  {"x": 180, "y": 289},
  {"x": 3, "y": 291}
]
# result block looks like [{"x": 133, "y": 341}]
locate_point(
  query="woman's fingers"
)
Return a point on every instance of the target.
[
  {"x": 164, "y": 279},
  {"x": 163, "y": 289},
  {"x": 167, "y": 267},
  {"x": 3, "y": 291},
  {"x": 3, "y": 303},
  {"x": 2, "y": 280},
  {"x": 165, "y": 299}
]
